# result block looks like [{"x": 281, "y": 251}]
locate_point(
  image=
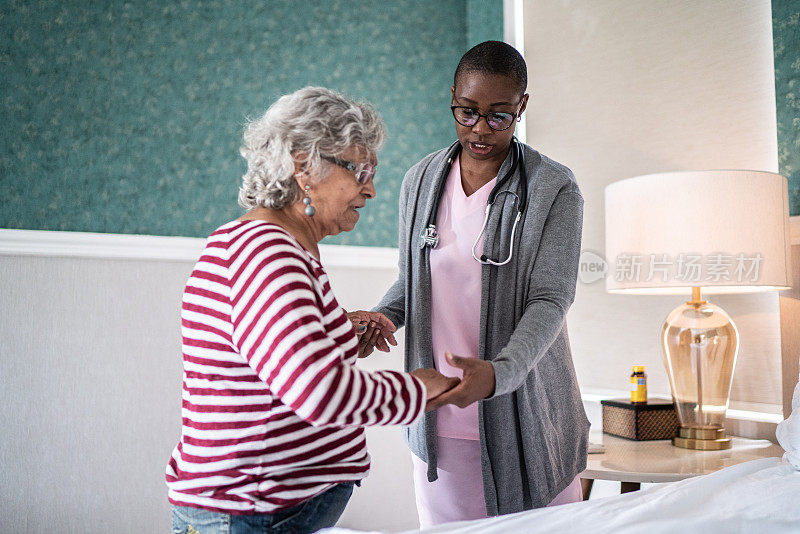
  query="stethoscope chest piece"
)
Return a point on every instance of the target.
[{"x": 429, "y": 237}]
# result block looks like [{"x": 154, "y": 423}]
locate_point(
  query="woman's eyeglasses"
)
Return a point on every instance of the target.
[
  {"x": 364, "y": 171},
  {"x": 496, "y": 120}
]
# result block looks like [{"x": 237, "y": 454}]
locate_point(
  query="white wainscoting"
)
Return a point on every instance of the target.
[{"x": 91, "y": 369}]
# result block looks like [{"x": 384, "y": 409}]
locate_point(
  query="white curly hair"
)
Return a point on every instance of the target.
[{"x": 313, "y": 121}]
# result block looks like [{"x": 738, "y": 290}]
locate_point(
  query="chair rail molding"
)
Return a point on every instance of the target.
[{"x": 162, "y": 248}]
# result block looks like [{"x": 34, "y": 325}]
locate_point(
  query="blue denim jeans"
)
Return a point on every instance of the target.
[{"x": 322, "y": 511}]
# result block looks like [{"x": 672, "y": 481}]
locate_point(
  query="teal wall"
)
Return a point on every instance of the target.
[
  {"x": 126, "y": 117},
  {"x": 786, "y": 41},
  {"x": 484, "y": 21}
]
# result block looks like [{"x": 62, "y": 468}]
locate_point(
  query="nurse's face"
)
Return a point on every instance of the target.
[{"x": 477, "y": 93}]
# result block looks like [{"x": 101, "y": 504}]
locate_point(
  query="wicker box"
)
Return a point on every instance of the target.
[{"x": 654, "y": 420}]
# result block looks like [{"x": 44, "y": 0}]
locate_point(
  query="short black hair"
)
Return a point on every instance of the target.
[{"x": 494, "y": 57}]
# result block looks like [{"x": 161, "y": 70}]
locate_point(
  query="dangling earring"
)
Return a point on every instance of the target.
[{"x": 310, "y": 210}]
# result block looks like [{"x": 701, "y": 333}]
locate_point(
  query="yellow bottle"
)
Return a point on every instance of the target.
[{"x": 638, "y": 384}]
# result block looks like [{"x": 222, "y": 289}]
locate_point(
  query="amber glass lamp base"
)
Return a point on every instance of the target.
[{"x": 699, "y": 343}]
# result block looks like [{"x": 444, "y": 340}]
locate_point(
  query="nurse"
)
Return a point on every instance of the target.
[{"x": 513, "y": 435}]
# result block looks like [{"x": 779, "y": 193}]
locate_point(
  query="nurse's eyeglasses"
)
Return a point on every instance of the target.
[
  {"x": 364, "y": 171},
  {"x": 497, "y": 120}
]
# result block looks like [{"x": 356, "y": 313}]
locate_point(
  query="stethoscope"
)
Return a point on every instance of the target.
[{"x": 430, "y": 237}]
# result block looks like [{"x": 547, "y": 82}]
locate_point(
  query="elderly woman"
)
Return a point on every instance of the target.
[{"x": 273, "y": 406}]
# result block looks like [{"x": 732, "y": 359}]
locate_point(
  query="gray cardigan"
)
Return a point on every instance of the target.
[{"x": 533, "y": 430}]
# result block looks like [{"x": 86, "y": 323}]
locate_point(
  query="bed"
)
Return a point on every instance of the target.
[{"x": 753, "y": 497}]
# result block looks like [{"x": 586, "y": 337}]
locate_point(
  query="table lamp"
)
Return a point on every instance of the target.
[{"x": 725, "y": 231}]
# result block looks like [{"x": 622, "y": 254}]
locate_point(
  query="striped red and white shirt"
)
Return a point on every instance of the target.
[{"x": 273, "y": 405}]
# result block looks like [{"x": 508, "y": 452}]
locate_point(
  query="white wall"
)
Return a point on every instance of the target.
[
  {"x": 91, "y": 380},
  {"x": 90, "y": 366},
  {"x": 90, "y": 399},
  {"x": 619, "y": 89},
  {"x": 90, "y": 402}
]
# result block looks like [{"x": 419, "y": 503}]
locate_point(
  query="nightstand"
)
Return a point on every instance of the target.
[{"x": 633, "y": 462}]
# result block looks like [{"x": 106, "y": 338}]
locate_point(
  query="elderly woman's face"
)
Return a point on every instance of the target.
[{"x": 338, "y": 197}]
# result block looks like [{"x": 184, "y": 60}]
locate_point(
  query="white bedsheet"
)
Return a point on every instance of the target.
[{"x": 752, "y": 497}]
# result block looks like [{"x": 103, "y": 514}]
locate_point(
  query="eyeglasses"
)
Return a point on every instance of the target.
[
  {"x": 364, "y": 171},
  {"x": 496, "y": 120}
]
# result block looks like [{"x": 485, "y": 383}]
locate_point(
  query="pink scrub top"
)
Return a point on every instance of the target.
[
  {"x": 456, "y": 292},
  {"x": 457, "y": 494}
]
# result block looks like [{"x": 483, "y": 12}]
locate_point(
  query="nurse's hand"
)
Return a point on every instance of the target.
[
  {"x": 436, "y": 384},
  {"x": 373, "y": 330},
  {"x": 477, "y": 383}
]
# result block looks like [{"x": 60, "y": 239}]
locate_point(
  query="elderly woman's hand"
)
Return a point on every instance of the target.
[
  {"x": 435, "y": 384},
  {"x": 373, "y": 330},
  {"x": 478, "y": 382}
]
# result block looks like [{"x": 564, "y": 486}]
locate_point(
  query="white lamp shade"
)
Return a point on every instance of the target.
[{"x": 726, "y": 231}]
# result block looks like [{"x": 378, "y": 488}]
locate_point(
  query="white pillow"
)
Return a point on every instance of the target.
[{"x": 788, "y": 432}]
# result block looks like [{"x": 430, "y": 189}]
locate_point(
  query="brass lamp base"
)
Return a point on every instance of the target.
[{"x": 704, "y": 439}]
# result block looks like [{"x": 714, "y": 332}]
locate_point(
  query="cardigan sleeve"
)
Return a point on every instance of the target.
[
  {"x": 278, "y": 327},
  {"x": 551, "y": 291}
]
